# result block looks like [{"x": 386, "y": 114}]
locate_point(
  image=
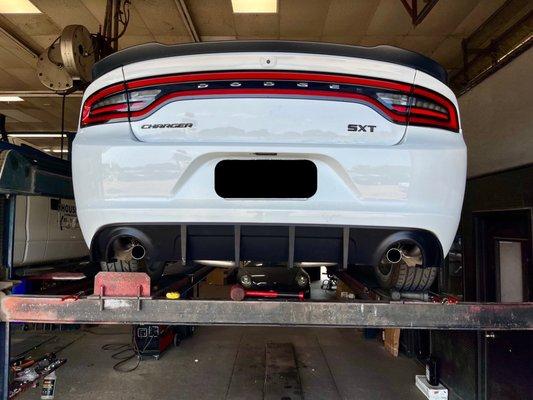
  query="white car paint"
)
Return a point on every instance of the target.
[
  {"x": 396, "y": 177},
  {"x": 44, "y": 234},
  {"x": 266, "y": 121}
]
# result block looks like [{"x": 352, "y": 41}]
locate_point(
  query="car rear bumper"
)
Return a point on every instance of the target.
[
  {"x": 417, "y": 184},
  {"x": 266, "y": 243}
]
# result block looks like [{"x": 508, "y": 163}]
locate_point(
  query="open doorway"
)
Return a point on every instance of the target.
[
  {"x": 503, "y": 255},
  {"x": 504, "y": 274}
]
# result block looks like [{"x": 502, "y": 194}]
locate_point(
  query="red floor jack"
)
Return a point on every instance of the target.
[{"x": 238, "y": 293}]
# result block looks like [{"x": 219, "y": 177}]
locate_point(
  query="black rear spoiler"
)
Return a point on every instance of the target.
[{"x": 152, "y": 51}]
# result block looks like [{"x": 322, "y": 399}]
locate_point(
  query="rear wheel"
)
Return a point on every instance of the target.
[
  {"x": 153, "y": 269},
  {"x": 403, "y": 277},
  {"x": 120, "y": 266}
]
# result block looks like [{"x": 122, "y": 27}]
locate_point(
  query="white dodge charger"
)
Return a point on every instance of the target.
[{"x": 272, "y": 152}]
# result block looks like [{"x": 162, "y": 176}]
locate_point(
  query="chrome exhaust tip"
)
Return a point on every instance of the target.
[
  {"x": 138, "y": 252},
  {"x": 394, "y": 255},
  {"x": 127, "y": 249}
]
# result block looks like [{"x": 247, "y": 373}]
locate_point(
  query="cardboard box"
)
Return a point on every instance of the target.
[
  {"x": 431, "y": 392},
  {"x": 343, "y": 291},
  {"x": 219, "y": 276}
]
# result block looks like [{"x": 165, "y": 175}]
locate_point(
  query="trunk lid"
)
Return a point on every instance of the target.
[
  {"x": 267, "y": 120},
  {"x": 265, "y": 98}
]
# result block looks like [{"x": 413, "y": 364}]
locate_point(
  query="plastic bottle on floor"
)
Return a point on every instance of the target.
[{"x": 49, "y": 386}]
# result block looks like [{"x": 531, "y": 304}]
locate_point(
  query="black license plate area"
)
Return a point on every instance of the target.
[{"x": 265, "y": 179}]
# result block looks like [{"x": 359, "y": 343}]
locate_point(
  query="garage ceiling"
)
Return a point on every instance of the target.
[{"x": 360, "y": 22}]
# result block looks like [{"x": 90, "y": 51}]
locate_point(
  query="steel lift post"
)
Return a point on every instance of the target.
[
  {"x": 8, "y": 235},
  {"x": 39, "y": 170}
]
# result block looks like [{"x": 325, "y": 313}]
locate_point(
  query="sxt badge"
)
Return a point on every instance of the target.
[{"x": 361, "y": 128}]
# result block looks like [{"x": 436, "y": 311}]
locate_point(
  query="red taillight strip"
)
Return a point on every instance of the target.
[
  {"x": 86, "y": 112},
  {"x": 452, "y": 122},
  {"x": 428, "y": 113},
  {"x": 122, "y": 107},
  {"x": 417, "y": 115},
  {"x": 270, "y": 75},
  {"x": 107, "y": 91},
  {"x": 268, "y": 92}
]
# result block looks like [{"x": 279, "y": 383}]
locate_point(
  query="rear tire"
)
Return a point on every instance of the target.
[
  {"x": 403, "y": 277},
  {"x": 154, "y": 269},
  {"x": 120, "y": 266}
]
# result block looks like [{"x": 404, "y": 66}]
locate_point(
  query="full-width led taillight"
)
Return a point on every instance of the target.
[{"x": 401, "y": 103}]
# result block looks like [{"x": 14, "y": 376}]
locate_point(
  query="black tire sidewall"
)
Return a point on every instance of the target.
[
  {"x": 403, "y": 277},
  {"x": 154, "y": 269}
]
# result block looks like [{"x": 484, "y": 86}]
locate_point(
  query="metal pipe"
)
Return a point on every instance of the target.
[
  {"x": 216, "y": 263},
  {"x": 129, "y": 250},
  {"x": 138, "y": 252},
  {"x": 422, "y": 296},
  {"x": 394, "y": 255}
]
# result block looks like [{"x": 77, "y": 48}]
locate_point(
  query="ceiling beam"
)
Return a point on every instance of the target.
[
  {"x": 187, "y": 20},
  {"x": 8, "y": 31},
  {"x": 504, "y": 17},
  {"x": 38, "y": 93},
  {"x": 488, "y": 49}
]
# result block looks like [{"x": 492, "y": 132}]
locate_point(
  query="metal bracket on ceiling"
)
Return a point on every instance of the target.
[{"x": 412, "y": 8}]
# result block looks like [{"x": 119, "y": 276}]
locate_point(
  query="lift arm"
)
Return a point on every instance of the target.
[{"x": 409, "y": 314}]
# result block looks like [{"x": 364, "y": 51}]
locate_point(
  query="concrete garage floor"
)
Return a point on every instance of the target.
[{"x": 229, "y": 363}]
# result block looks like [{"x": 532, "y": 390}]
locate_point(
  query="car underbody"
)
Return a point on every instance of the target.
[{"x": 315, "y": 244}]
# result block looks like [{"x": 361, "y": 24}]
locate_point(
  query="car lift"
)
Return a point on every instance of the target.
[{"x": 131, "y": 301}]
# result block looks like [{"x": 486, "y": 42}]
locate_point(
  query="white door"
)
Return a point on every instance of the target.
[{"x": 511, "y": 273}]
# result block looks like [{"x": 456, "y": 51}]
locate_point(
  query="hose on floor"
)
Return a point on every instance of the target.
[{"x": 124, "y": 352}]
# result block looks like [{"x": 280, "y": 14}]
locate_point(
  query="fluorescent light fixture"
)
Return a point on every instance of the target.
[
  {"x": 60, "y": 151},
  {"x": 18, "y": 7},
  {"x": 255, "y": 6},
  {"x": 36, "y": 135},
  {"x": 10, "y": 98}
]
